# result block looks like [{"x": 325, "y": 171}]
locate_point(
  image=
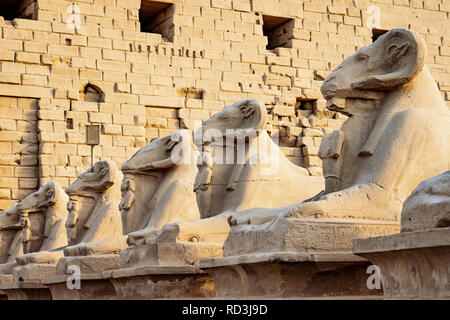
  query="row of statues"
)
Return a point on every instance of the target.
[{"x": 230, "y": 185}]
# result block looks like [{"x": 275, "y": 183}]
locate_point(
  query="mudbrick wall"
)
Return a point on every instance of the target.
[{"x": 68, "y": 64}]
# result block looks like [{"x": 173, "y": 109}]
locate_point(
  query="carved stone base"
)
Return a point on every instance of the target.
[
  {"x": 30, "y": 290},
  {"x": 25, "y": 282},
  {"x": 33, "y": 272},
  {"x": 303, "y": 235},
  {"x": 88, "y": 264},
  {"x": 291, "y": 275},
  {"x": 413, "y": 265},
  {"x": 171, "y": 282},
  {"x": 168, "y": 254},
  {"x": 92, "y": 287},
  {"x": 182, "y": 282},
  {"x": 7, "y": 268}
]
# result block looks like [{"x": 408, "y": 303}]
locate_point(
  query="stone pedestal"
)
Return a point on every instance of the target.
[
  {"x": 151, "y": 271},
  {"x": 169, "y": 282},
  {"x": 413, "y": 265},
  {"x": 33, "y": 272},
  {"x": 168, "y": 254},
  {"x": 92, "y": 287},
  {"x": 88, "y": 264},
  {"x": 178, "y": 282},
  {"x": 6, "y": 278},
  {"x": 25, "y": 282},
  {"x": 90, "y": 269},
  {"x": 7, "y": 268},
  {"x": 30, "y": 290},
  {"x": 291, "y": 275}
]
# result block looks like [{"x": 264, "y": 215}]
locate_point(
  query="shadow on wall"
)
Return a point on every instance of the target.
[
  {"x": 92, "y": 93},
  {"x": 19, "y": 148}
]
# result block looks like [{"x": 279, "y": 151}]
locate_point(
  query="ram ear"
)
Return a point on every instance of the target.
[
  {"x": 109, "y": 171},
  {"x": 404, "y": 53},
  {"x": 171, "y": 143},
  {"x": 254, "y": 113},
  {"x": 50, "y": 193},
  {"x": 51, "y": 190}
]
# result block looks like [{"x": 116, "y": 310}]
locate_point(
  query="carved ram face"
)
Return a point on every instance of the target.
[
  {"x": 47, "y": 195},
  {"x": 96, "y": 179},
  {"x": 162, "y": 153},
  {"x": 391, "y": 61},
  {"x": 245, "y": 114}
]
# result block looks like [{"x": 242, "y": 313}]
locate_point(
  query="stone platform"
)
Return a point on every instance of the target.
[
  {"x": 159, "y": 282},
  {"x": 150, "y": 271},
  {"x": 30, "y": 290},
  {"x": 413, "y": 265},
  {"x": 291, "y": 275},
  {"x": 168, "y": 254},
  {"x": 257, "y": 276},
  {"x": 88, "y": 264},
  {"x": 25, "y": 282},
  {"x": 6, "y": 278}
]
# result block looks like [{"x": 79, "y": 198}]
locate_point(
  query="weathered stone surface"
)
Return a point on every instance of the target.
[
  {"x": 429, "y": 205},
  {"x": 168, "y": 254},
  {"x": 30, "y": 290},
  {"x": 6, "y": 278},
  {"x": 413, "y": 265},
  {"x": 304, "y": 235},
  {"x": 88, "y": 264},
  {"x": 290, "y": 275},
  {"x": 158, "y": 282},
  {"x": 33, "y": 272},
  {"x": 204, "y": 56}
]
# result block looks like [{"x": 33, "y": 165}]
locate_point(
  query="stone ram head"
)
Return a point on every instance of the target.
[
  {"x": 162, "y": 153},
  {"x": 46, "y": 196},
  {"x": 101, "y": 176},
  {"x": 245, "y": 114},
  {"x": 394, "y": 59}
]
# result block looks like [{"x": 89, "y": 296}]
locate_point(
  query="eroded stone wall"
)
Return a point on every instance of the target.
[
  {"x": 214, "y": 53},
  {"x": 19, "y": 149}
]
